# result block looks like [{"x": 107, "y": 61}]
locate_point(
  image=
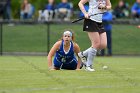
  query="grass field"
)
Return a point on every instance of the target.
[{"x": 29, "y": 74}]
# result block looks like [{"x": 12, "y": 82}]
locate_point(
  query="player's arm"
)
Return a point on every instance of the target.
[
  {"x": 77, "y": 50},
  {"x": 51, "y": 54},
  {"x": 81, "y": 6},
  {"x": 108, "y": 5}
]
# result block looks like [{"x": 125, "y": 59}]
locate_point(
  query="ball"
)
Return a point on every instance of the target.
[{"x": 105, "y": 67}]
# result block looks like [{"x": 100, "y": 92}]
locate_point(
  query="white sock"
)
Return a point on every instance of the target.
[
  {"x": 91, "y": 54},
  {"x": 85, "y": 53}
]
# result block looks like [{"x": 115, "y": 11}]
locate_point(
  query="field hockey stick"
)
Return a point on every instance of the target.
[{"x": 79, "y": 19}]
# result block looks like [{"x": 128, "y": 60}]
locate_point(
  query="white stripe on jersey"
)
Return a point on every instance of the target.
[{"x": 93, "y": 9}]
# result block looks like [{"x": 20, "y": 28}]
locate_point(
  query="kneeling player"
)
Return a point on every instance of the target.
[{"x": 64, "y": 52}]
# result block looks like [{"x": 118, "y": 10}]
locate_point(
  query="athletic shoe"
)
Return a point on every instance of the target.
[
  {"x": 82, "y": 57},
  {"x": 89, "y": 68}
]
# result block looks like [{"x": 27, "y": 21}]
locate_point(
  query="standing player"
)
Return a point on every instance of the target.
[
  {"x": 64, "y": 51},
  {"x": 94, "y": 28}
]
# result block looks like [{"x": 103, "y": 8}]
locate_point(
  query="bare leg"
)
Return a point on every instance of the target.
[
  {"x": 95, "y": 43},
  {"x": 103, "y": 40},
  {"x": 98, "y": 41}
]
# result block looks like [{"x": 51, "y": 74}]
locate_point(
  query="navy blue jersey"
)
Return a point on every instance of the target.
[{"x": 68, "y": 60}]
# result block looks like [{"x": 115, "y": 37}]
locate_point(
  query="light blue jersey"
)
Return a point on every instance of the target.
[{"x": 65, "y": 60}]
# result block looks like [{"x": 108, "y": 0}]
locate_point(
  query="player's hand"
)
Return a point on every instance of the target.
[
  {"x": 51, "y": 68},
  {"x": 78, "y": 69},
  {"x": 101, "y": 6},
  {"x": 86, "y": 16}
]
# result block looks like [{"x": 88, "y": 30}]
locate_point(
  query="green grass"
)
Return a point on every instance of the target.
[
  {"x": 125, "y": 39},
  {"x": 24, "y": 38},
  {"x": 33, "y": 38},
  {"x": 26, "y": 74}
]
